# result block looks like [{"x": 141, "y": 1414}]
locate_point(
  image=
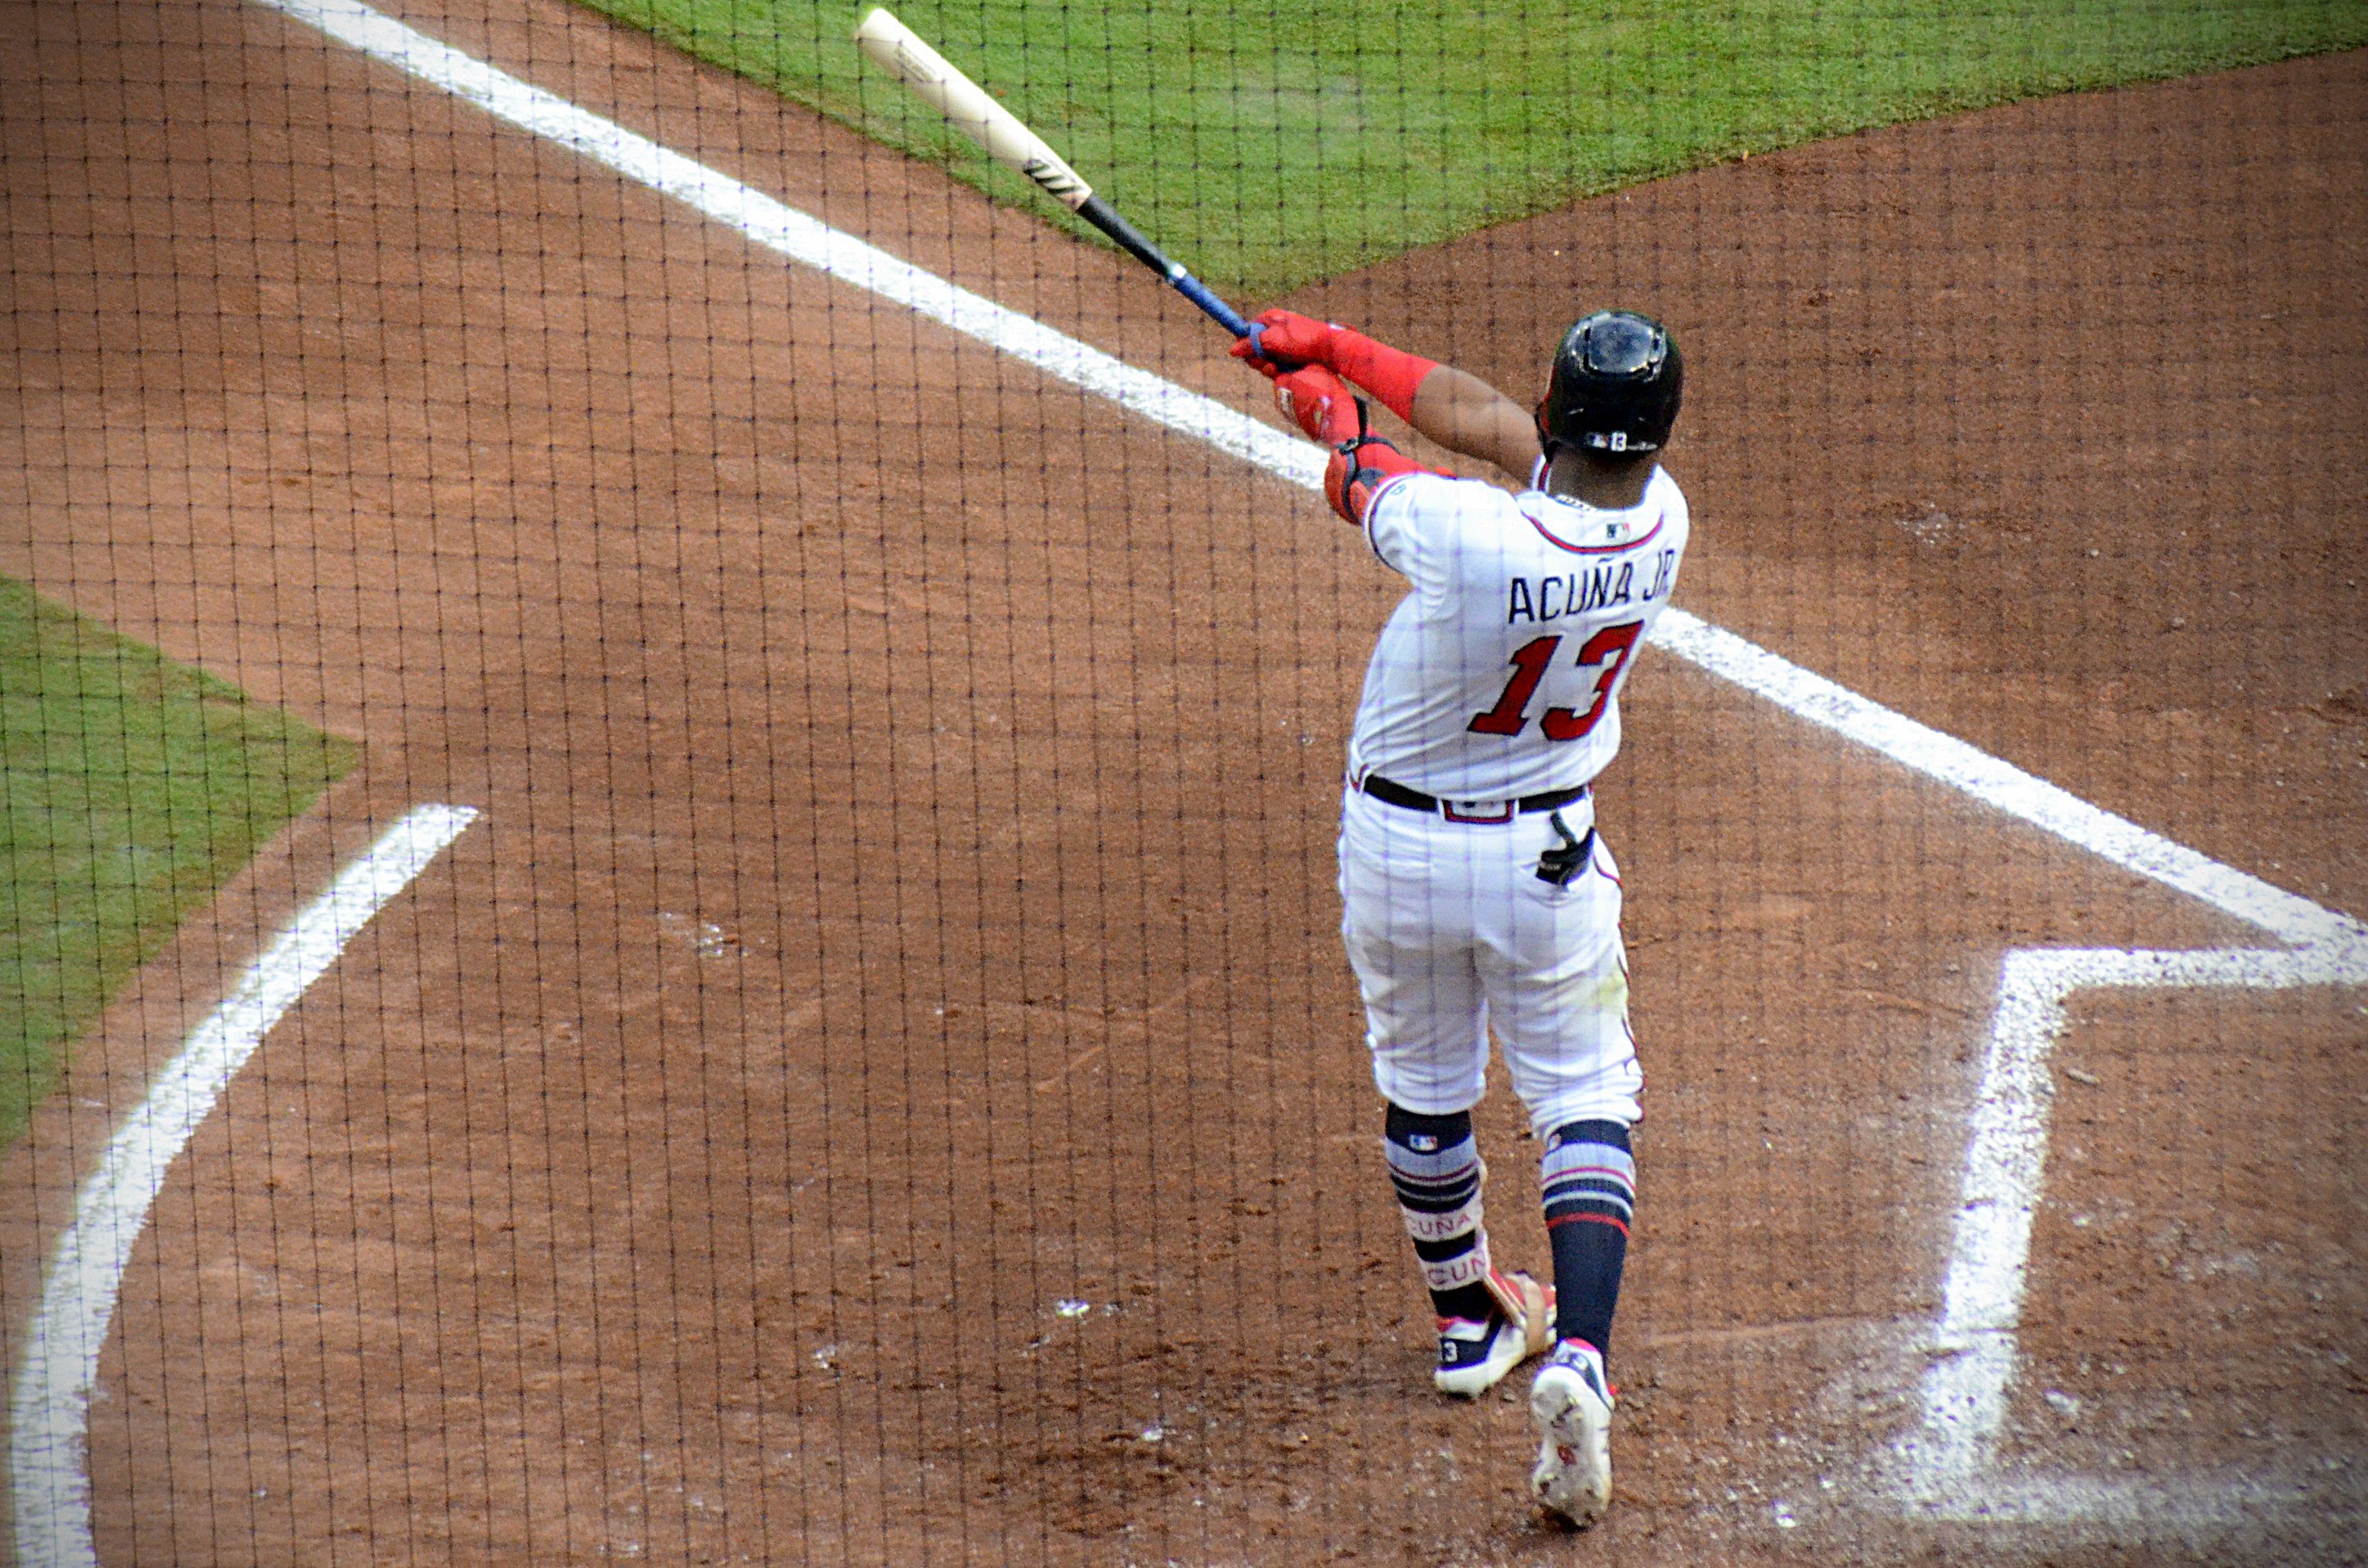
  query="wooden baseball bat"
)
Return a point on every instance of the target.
[{"x": 899, "y": 50}]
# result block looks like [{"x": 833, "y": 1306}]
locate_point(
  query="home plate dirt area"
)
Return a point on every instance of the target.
[{"x": 878, "y": 1082}]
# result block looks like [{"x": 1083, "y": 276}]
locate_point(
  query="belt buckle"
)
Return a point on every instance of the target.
[{"x": 1503, "y": 814}]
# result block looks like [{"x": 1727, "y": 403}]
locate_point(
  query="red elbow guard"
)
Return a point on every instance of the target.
[
  {"x": 1358, "y": 469},
  {"x": 1390, "y": 374}
]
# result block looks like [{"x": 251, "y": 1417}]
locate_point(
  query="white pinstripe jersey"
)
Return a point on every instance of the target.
[{"x": 1498, "y": 675}]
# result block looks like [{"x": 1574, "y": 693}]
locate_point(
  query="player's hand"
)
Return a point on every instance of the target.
[
  {"x": 1287, "y": 337},
  {"x": 1320, "y": 403}
]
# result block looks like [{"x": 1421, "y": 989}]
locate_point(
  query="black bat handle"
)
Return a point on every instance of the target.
[{"x": 1097, "y": 211}]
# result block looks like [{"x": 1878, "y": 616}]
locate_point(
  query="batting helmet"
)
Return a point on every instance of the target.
[{"x": 1617, "y": 382}]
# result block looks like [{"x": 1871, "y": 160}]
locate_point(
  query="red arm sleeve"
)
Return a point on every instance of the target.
[{"x": 1390, "y": 374}]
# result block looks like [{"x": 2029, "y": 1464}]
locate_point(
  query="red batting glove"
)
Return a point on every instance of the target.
[
  {"x": 1286, "y": 335},
  {"x": 1390, "y": 374},
  {"x": 1319, "y": 404}
]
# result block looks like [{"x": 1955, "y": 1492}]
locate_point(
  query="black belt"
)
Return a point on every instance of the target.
[{"x": 1393, "y": 794}]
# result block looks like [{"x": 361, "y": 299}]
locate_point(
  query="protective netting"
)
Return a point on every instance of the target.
[{"x": 716, "y": 939}]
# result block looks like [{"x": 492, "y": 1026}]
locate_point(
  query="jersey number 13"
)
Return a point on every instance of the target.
[{"x": 1608, "y": 648}]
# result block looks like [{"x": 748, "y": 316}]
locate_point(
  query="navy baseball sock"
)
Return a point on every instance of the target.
[
  {"x": 1589, "y": 1177},
  {"x": 1435, "y": 1166}
]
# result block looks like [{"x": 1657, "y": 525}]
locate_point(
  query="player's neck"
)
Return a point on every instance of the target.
[{"x": 1611, "y": 484}]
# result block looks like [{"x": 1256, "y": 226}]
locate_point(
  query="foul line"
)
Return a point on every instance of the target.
[
  {"x": 807, "y": 240},
  {"x": 2001, "y": 785},
  {"x": 1964, "y": 1394},
  {"x": 48, "y": 1490}
]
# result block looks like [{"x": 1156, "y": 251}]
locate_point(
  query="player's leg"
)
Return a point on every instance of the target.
[
  {"x": 1436, "y": 1172},
  {"x": 1406, "y": 922},
  {"x": 1589, "y": 1188},
  {"x": 1489, "y": 1320},
  {"x": 1588, "y": 1178},
  {"x": 1557, "y": 985}
]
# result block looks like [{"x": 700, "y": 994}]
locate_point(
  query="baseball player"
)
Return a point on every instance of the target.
[{"x": 1477, "y": 892}]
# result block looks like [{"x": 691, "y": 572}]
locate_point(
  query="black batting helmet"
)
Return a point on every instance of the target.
[{"x": 1617, "y": 381}]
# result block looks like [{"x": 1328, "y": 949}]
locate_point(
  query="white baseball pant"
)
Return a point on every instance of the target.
[{"x": 1451, "y": 931}]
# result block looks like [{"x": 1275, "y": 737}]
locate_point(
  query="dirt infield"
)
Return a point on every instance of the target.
[{"x": 902, "y": 909}]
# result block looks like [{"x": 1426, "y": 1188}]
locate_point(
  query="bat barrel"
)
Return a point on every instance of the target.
[{"x": 900, "y": 51}]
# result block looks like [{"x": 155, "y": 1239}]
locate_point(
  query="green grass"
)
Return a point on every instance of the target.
[
  {"x": 131, "y": 788},
  {"x": 1267, "y": 145}
]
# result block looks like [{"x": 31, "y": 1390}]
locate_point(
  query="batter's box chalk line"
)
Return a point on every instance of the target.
[{"x": 1947, "y": 1469}]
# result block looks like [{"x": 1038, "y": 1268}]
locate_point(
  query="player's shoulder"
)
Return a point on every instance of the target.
[
  {"x": 1426, "y": 505},
  {"x": 1430, "y": 494},
  {"x": 1663, "y": 489}
]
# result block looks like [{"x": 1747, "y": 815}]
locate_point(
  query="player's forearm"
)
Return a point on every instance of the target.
[
  {"x": 1456, "y": 409},
  {"x": 1465, "y": 415},
  {"x": 1459, "y": 412}
]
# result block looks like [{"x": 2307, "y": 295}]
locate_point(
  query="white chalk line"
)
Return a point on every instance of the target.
[
  {"x": 2007, "y": 1147},
  {"x": 1950, "y": 1462},
  {"x": 49, "y": 1478}
]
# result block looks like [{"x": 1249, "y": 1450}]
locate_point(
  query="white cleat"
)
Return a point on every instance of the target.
[
  {"x": 1571, "y": 1402},
  {"x": 1474, "y": 1357}
]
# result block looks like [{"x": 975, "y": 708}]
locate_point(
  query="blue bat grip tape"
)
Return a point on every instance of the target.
[{"x": 1197, "y": 292}]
